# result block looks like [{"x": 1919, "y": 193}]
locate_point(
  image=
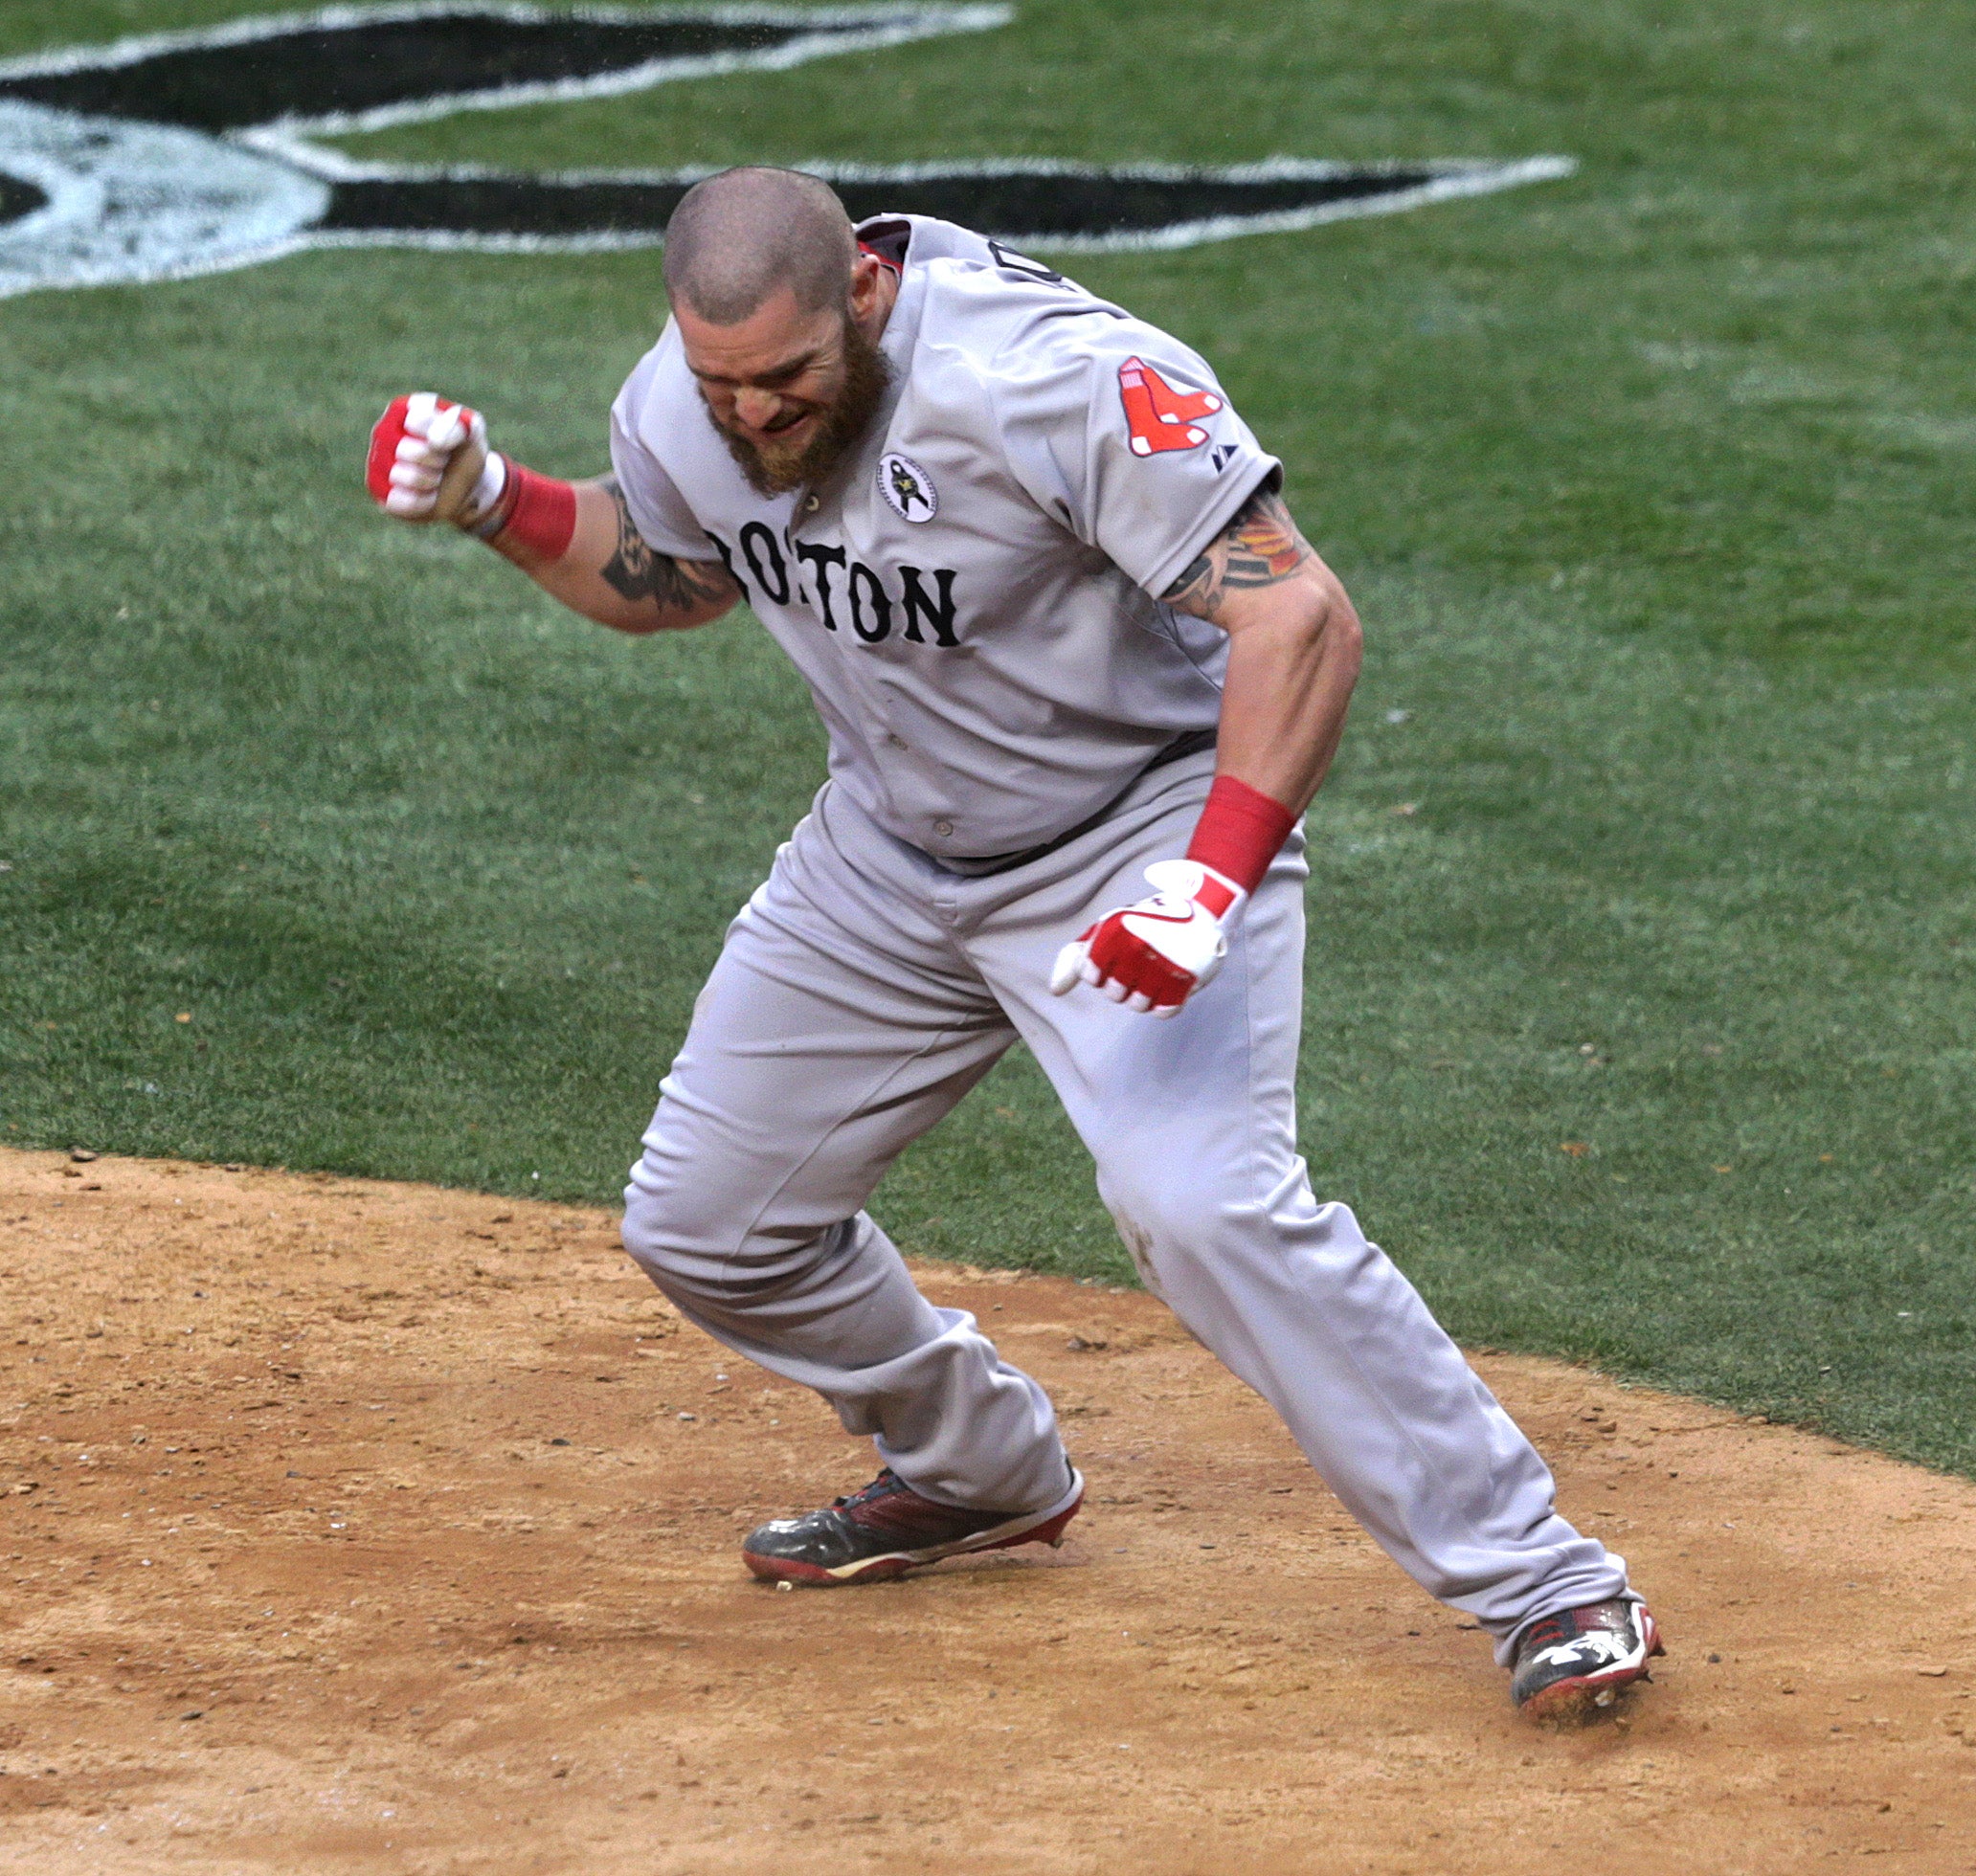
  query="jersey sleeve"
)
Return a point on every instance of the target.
[
  {"x": 658, "y": 509},
  {"x": 1122, "y": 433}
]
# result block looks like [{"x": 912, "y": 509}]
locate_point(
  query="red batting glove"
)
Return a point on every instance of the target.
[
  {"x": 429, "y": 461},
  {"x": 1155, "y": 954}
]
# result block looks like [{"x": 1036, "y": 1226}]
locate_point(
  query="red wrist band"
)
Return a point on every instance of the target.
[
  {"x": 539, "y": 512},
  {"x": 1239, "y": 832}
]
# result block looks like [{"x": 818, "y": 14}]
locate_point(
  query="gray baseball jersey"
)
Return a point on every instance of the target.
[{"x": 973, "y": 595}]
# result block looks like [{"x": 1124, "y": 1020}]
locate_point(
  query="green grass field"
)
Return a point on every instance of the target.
[{"x": 1654, "y": 487}]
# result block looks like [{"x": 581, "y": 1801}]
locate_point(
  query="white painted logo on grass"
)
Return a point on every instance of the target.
[
  {"x": 141, "y": 201},
  {"x": 182, "y": 153}
]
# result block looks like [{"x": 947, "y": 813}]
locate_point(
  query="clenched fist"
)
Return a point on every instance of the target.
[
  {"x": 429, "y": 461},
  {"x": 1154, "y": 954}
]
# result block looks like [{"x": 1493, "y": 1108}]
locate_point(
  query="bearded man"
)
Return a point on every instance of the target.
[{"x": 1063, "y": 633}]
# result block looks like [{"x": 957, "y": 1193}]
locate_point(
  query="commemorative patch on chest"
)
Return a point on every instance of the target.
[{"x": 907, "y": 489}]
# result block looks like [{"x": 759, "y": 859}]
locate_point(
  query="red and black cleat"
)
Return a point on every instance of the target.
[
  {"x": 888, "y": 1529},
  {"x": 1571, "y": 1665}
]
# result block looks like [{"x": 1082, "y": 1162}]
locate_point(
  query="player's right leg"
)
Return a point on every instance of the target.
[
  {"x": 838, "y": 1025},
  {"x": 1192, "y": 1121}
]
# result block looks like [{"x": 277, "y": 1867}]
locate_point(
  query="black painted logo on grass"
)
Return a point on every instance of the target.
[{"x": 189, "y": 152}]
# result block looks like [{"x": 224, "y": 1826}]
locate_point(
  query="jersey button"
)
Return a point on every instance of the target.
[{"x": 943, "y": 828}]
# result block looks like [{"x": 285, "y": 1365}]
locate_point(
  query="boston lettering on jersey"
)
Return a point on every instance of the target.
[{"x": 844, "y": 593}]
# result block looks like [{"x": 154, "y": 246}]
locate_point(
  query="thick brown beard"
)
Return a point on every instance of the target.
[{"x": 867, "y": 375}]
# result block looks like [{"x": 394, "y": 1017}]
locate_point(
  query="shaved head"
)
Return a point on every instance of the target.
[
  {"x": 778, "y": 317},
  {"x": 738, "y": 237}
]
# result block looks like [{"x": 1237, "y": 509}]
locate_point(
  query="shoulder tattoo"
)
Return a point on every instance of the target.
[
  {"x": 1261, "y": 547},
  {"x": 672, "y": 585}
]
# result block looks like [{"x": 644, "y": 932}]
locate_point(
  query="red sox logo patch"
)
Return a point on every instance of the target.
[{"x": 1158, "y": 416}]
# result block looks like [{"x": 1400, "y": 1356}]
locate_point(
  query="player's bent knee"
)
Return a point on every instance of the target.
[
  {"x": 684, "y": 1272},
  {"x": 674, "y": 1241},
  {"x": 705, "y": 1254}
]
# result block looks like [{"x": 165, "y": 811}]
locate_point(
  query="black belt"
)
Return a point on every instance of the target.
[{"x": 986, "y": 867}]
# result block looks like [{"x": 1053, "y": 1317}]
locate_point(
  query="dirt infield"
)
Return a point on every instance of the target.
[{"x": 365, "y": 1527}]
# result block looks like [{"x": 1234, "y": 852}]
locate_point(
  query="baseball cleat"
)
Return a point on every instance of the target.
[
  {"x": 1571, "y": 1665},
  {"x": 888, "y": 1529}
]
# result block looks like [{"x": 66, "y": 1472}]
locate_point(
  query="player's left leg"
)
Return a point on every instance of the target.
[{"x": 1192, "y": 1121}]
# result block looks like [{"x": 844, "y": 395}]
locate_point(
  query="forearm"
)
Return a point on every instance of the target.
[
  {"x": 608, "y": 573},
  {"x": 1293, "y": 650},
  {"x": 1291, "y": 667},
  {"x": 1292, "y": 659}
]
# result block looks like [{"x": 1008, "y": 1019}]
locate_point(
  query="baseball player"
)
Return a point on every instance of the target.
[{"x": 1069, "y": 645}]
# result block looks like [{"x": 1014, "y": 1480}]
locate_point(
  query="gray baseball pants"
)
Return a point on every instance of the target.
[{"x": 864, "y": 991}]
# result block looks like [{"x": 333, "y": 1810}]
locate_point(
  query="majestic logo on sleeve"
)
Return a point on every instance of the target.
[
  {"x": 908, "y": 488},
  {"x": 1158, "y": 416},
  {"x": 191, "y": 152}
]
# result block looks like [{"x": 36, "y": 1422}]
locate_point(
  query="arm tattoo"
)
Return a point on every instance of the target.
[
  {"x": 635, "y": 571},
  {"x": 1260, "y": 547}
]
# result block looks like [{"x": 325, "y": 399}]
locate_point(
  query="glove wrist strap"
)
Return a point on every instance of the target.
[
  {"x": 485, "y": 502},
  {"x": 1217, "y": 895}
]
